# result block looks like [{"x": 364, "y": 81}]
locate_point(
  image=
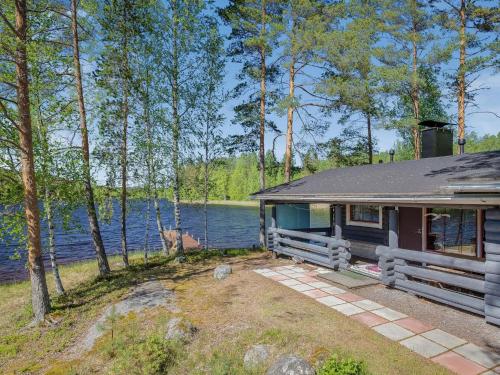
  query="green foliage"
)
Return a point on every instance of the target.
[{"x": 342, "y": 366}]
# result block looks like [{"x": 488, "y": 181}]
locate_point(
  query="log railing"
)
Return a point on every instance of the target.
[
  {"x": 450, "y": 280},
  {"x": 314, "y": 248}
]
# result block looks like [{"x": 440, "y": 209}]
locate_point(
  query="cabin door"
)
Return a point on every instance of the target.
[{"x": 410, "y": 228}]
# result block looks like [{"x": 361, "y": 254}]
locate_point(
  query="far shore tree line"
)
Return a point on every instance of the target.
[{"x": 131, "y": 92}]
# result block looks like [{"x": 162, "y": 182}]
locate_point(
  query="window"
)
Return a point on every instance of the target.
[
  {"x": 452, "y": 230},
  {"x": 364, "y": 215}
]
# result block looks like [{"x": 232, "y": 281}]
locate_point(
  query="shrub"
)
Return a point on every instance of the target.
[{"x": 345, "y": 366}]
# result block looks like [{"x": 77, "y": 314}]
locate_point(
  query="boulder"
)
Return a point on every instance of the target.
[
  {"x": 180, "y": 329},
  {"x": 256, "y": 355},
  {"x": 223, "y": 271},
  {"x": 290, "y": 365}
]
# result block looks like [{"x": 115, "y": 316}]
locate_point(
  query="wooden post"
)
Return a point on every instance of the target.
[
  {"x": 338, "y": 221},
  {"x": 274, "y": 226},
  {"x": 393, "y": 228},
  {"x": 492, "y": 274}
]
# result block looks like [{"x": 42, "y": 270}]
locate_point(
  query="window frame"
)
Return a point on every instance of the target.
[{"x": 368, "y": 224}]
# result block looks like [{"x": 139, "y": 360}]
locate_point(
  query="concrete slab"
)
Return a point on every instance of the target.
[
  {"x": 389, "y": 314},
  {"x": 458, "y": 364},
  {"x": 367, "y": 304},
  {"x": 425, "y": 347},
  {"x": 307, "y": 279},
  {"x": 271, "y": 273},
  {"x": 479, "y": 355},
  {"x": 393, "y": 331},
  {"x": 369, "y": 319},
  {"x": 333, "y": 290},
  {"x": 347, "y": 309},
  {"x": 330, "y": 301},
  {"x": 290, "y": 282},
  {"x": 414, "y": 325},
  {"x": 315, "y": 293},
  {"x": 279, "y": 277},
  {"x": 444, "y": 338},
  {"x": 319, "y": 284},
  {"x": 263, "y": 270},
  {"x": 350, "y": 297},
  {"x": 301, "y": 287}
]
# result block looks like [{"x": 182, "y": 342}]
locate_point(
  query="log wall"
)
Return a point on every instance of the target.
[{"x": 492, "y": 277}]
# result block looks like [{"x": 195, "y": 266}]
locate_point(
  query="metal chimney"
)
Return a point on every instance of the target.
[
  {"x": 461, "y": 145},
  {"x": 436, "y": 139},
  {"x": 391, "y": 155}
]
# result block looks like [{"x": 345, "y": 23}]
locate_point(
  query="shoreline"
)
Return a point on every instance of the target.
[{"x": 224, "y": 203}]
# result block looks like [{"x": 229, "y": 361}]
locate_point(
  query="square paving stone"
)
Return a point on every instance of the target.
[
  {"x": 315, "y": 293},
  {"x": 290, "y": 282},
  {"x": 279, "y": 277},
  {"x": 458, "y": 364},
  {"x": 414, "y": 325},
  {"x": 347, "y": 309},
  {"x": 271, "y": 273},
  {"x": 262, "y": 270},
  {"x": 350, "y": 297},
  {"x": 307, "y": 279},
  {"x": 301, "y": 287},
  {"x": 296, "y": 275},
  {"x": 393, "y": 331},
  {"x": 319, "y": 284},
  {"x": 369, "y": 319},
  {"x": 367, "y": 304},
  {"x": 444, "y": 338},
  {"x": 479, "y": 355},
  {"x": 425, "y": 347},
  {"x": 330, "y": 301},
  {"x": 333, "y": 290},
  {"x": 389, "y": 314}
]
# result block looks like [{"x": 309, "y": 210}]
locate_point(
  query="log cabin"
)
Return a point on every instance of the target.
[{"x": 431, "y": 226}]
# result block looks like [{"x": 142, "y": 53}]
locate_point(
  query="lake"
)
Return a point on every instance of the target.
[{"x": 229, "y": 227}]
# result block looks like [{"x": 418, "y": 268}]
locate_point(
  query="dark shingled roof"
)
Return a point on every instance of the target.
[{"x": 427, "y": 177}]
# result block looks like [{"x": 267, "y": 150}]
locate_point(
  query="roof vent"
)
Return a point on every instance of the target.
[{"x": 436, "y": 139}]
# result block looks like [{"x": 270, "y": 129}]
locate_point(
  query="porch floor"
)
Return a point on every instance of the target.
[{"x": 430, "y": 335}]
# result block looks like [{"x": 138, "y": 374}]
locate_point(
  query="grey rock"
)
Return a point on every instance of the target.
[
  {"x": 290, "y": 365},
  {"x": 223, "y": 271},
  {"x": 297, "y": 260},
  {"x": 180, "y": 329},
  {"x": 256, "y": 355}
]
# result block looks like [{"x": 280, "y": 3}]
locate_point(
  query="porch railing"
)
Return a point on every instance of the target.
[
  {"x": 322, "y": 250},
  {"x": 450, "y": 280}
]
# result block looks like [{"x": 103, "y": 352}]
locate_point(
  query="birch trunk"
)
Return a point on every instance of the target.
[
  {"x": 179, "y": 248},
  {"x": 102, "y": 260},
  {"x": 124, "y": 161},
  {"x": 205, "y": 197},
  {"x": 52, "y": 243},
  {"x": 262, "y": 172},
  {"x": 146, "y": 238},
  {"x": 39, "y": 292}
]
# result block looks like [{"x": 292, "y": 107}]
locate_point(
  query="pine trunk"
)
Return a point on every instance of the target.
[
  {"x": 369, "y": 138},
  {"x": 39, "y": 293},
  {"x": 461, "y": 74},
  {"x": 102, "y": 260},
  {"x": 415, "y": 93},
  {"x": 262, "y": 172},
  {"x": 289, "y": 128}
]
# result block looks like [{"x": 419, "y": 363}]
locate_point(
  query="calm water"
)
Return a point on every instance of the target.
[{"x": 229, "y": 226}]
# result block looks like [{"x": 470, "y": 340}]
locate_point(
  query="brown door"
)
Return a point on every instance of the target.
[{"x": 410, "y": 228}]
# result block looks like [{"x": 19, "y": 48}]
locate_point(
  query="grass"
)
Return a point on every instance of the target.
[{"x": 231, "y": 315}]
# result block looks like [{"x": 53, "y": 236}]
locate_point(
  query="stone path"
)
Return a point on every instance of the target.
[{"x": 452, "y": 352}]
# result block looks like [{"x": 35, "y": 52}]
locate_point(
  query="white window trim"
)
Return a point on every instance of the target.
[{"x": 378, "y": 225}]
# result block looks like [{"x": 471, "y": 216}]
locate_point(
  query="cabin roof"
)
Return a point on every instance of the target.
[{"x": 468, "y": 177}]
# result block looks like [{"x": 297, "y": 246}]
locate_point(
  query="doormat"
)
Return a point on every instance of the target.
[{"x": 348, "y": 279}]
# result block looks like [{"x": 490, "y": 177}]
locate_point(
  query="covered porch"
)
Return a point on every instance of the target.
[{"x": 448, "y": 254}]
